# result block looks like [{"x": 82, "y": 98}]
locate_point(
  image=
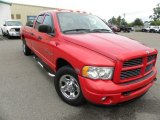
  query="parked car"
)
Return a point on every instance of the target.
[
  {"x": 146, "y": 29},
  {"x": 153, "y": 29},
  {"x": 114, "y": 28},
  {"x": 131, "y": 28},
  {"x": 29, "y": 23},
  {"x": 11, "y": 28},
  {"x": 157, "y": 29},
  {"x": 125, "y": 28},
  {"x": 89, "y": 61}
]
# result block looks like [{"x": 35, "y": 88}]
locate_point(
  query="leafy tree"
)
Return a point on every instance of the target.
[
  {"x": 155, "y": 23},
  {"x": 156, "y": 13},
  {"x": 112, "y": 20},
  {"x": 123, "y": 22},
  {"x": 138, "y": 22},
  {"x": 131, "y": 24},
  {"x": 119, "y": 20}
]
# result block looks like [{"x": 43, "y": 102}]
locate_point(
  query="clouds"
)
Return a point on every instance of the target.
[{"x": 103, "y": 8}]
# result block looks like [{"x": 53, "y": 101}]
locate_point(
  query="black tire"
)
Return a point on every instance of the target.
[
  {"x": 26, "y": 50},
  {"x": 8, "y": 36},
  {"x": 67, "y": 70},
  {"x": 2, "y": 32}
]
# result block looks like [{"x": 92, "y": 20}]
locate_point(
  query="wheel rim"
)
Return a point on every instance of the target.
[
  {"x": 69, "y": 87},
  {"x": 24, "y": 48}
]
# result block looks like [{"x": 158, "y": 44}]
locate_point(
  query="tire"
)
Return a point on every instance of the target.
[
  {"x": 8, "y": 36},
  {"x": 2, "y": 32},
  {"x": 66, "y": 83},
  {"x": 26, "y": 50}
]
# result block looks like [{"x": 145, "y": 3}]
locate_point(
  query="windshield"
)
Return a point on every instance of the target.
[
  {"x": 77, "y": 23},
  {"x": 13, "y": 23}
]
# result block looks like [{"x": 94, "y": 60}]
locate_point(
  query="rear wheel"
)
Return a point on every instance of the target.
[
  {"x": 26, "y": 49},
  {"x": 68, "y": 87}
]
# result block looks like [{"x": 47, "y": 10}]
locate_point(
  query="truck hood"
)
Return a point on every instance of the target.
[{"x": 110, "y": 45}]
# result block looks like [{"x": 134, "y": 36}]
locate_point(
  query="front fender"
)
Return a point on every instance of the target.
[{"x": 79, "y": 56}]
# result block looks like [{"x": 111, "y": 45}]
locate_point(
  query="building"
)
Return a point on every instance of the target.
[
  {"x": 5, "y": 12},
  {"x": 24, "y": 12}
]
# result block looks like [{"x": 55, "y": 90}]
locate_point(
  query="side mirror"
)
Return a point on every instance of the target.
[
  {"x": 45, "y": 29},
  {"x": 4, "y": 24}
]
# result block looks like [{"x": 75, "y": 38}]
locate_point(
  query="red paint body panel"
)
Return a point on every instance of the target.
[{"x": 95, "y": 49}]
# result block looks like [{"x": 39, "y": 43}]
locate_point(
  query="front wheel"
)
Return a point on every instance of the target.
[
  {"x": 68, "y": 87},
  {"x": 2, "y": 32},
  {"x": 8, "y": 36}
]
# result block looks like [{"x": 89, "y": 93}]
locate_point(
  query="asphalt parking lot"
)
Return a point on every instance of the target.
[{"x": 27, "y": 92}]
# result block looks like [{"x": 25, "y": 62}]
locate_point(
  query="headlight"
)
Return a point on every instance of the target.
[
  {"x": 12, "y": 30},
  {"x": 92, "y": 72}
]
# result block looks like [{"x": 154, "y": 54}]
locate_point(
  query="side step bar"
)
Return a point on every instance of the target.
[{"x": 49, "y": 71}]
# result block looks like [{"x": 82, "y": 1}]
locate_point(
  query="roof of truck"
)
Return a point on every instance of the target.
[{"x": 62, "y": 10}]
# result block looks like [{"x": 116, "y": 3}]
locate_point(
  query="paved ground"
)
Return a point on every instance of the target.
[{"x": 27, "y": 93}]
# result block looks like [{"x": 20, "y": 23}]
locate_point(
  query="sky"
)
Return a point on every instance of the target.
[{"x": 102, "y": 8}]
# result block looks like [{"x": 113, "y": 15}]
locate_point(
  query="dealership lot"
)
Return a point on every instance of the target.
[{"x": 27, "y": 92}]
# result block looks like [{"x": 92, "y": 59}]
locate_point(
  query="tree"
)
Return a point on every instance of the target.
[
  {"x": 131, "y": 24},
  {"x": 138, "y": 22},
  {"x": 156, "y": 13},
  {"x": 155, "y": 23},
  {"x": 112, "y": 20},
  {"x": 123, "y": 22},
  {"x": 119, "y": 20}
]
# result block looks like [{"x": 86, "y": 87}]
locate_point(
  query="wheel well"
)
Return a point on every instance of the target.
[{"x": 62, "y": 62}]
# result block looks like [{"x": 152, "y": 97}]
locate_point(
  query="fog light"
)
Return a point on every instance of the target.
[{"x": 104, "y": 98}]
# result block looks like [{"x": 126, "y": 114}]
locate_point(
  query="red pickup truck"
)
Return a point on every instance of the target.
[{"x": 88, "y": 60}]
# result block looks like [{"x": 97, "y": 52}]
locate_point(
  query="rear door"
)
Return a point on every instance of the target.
[
  {"x": 46, "y": 42},
  {"x": 35, "y": 41}
]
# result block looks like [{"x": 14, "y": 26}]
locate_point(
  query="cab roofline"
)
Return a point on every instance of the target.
[{"x": 62, "y": 10}]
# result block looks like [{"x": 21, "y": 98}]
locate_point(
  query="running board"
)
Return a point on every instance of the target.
[{"x": 43, "y": 66}]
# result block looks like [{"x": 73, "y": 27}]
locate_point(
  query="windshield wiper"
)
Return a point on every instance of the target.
[
  {"x": 76, "y": 30},
  {"x": 101, "y": 30}
]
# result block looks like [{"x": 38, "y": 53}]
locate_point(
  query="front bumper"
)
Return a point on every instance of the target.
[
  {"x": 14, "y": 33},
  {"x": 109, "y": 93}
]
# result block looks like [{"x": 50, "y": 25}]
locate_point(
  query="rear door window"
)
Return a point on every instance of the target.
[
  {"x": 48, "y": 21},
  {"x": 39, "y": 21}
]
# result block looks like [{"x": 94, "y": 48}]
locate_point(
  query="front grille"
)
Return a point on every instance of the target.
[
  {"x": 150, "y": 58},
  {"x": 133, "y": 62},
  {"x": 130, "y": 73},
  {"x": 17, "y": 29},
  {"x": 149, "y": 67}
]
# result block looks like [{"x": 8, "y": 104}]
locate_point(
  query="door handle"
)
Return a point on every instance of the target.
[
  {"x": 39, "y": 38},
  {"x": 32, "y": 34}
]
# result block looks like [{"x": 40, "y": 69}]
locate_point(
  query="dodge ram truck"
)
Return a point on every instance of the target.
[{"x": 87, "y": 60}]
